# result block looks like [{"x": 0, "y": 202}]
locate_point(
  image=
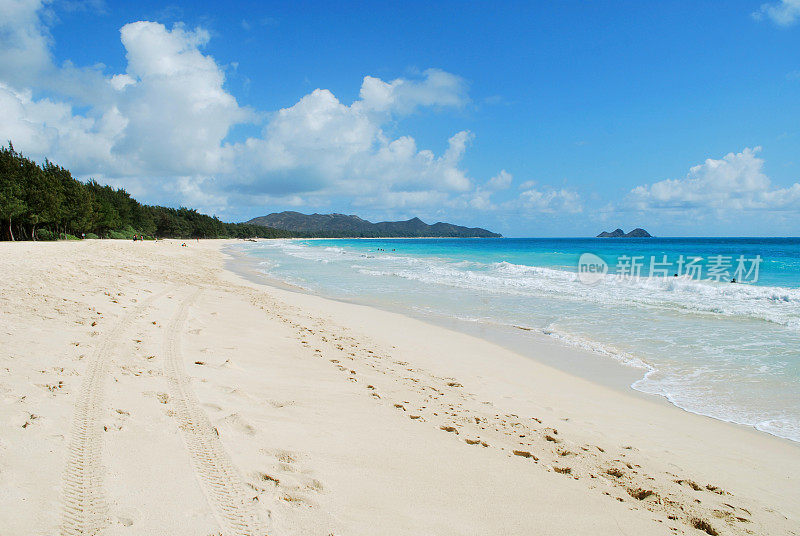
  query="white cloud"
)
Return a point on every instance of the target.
[
  {"x": 481, "y": 197},
  {"x": 321, "y": 144},
  {"x": 404, "y": 201},
  {"x": 782, "y": 12},
  {"x": 734, "y": 183},
  {"x": 538, "y": 200},
  {"x": 49, "y": 128},
  {"x": 26, "y": 61},
  {"x": 166, "y": 116},
  {"x": 481, "y": 200},
  {"x": 161, "y": 128},
  {"x": 403, "y": 96},
  {"x": 24, "y": 41},
  {"x": 163, "y": 123},
  {"x": 178, "y": 112},
  {"x": 550, "y": 201},
  {"x": 121, "y": 81},
  {"x": 501, "y": 181}
]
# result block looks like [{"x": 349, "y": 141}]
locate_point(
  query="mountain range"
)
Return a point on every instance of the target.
[{"x": 351, "y": 226}]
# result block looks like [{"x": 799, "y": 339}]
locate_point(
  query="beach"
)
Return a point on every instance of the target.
[{"x": 147, "y": 389}]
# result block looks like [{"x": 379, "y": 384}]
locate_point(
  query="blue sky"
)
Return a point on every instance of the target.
[{"x": 532, "y": 119}]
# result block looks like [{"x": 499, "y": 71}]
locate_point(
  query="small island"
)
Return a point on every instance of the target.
[{"x": 619, "y": 233}]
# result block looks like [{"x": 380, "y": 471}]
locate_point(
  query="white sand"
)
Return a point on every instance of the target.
[{"x": 146, "y": 390}]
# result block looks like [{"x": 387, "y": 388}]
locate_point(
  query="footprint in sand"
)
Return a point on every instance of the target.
[
  {"x": 296, "y": 499},
  {"x": 237, "y": 424},
  {"x": 54, "y": 388},
  {"x": 525, "y": 454},
  {"x": 288, "y": 478},
  {"x": 29, "y": 419},
  {"x": 262, "y": 482},
  {"x": 616, "y": 473},
  {"x": 277, "y": 404},
  {"x": 641, "y": 494}
]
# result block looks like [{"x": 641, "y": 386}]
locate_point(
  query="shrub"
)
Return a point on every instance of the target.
[
  {"x": 44, "y": 234},
  {"x": 126, "y": 233},
  {"x": 91, "y": 236}
]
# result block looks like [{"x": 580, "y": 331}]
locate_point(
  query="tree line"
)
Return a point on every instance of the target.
[{"x": 44, "y": 202}]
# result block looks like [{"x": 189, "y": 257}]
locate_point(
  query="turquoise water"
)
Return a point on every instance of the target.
[{"x": 729, "y": 351}]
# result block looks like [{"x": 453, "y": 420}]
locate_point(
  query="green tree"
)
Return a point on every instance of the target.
[
  {"x": 48, "y": 197},
  {"x": 11, "y": 203}
]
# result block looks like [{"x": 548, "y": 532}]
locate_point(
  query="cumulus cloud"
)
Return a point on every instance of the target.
[
  {"x": 403, "y": 96},
  {"x": 26, "y": 60},
  {"x": 735, "y": 182},
  {"x": 164, "y": 124},
  {"x": 550, "y": 201},
  {"x": 167, "y": 115},
  {"x": 501, "y": 181},
  {"x": 177, "y": 112},
  {"x": 24, "y": 41},
  {"x": 321, "y": 144},
  {"x": 49, "y": 128},
  {"x": 481, "y": 197},
  {"x": 532, "y": 199},
  {"x": 782, "y": 13},
  {"x": 161, "y": 128},
  {"x": 405, "y": 201}
]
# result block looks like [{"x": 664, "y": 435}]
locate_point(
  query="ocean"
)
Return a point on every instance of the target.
[{"x": 664, "y": 306}]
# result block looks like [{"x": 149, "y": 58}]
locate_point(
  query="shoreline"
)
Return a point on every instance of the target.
[
  {"x": 604, "y": 371},
  {"x": 330, "y": 417},
  {"x": 552, "y": 352}
]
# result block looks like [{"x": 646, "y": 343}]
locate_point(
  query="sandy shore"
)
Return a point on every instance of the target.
[{"x": 146, "y": 390}]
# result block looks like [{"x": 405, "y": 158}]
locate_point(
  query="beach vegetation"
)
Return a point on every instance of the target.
[{"x": 45, "y": 202}]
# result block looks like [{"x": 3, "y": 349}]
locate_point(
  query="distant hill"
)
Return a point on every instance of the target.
[
  {"x": 344, "y": 226},
  {"x": 619, "y": 233}
]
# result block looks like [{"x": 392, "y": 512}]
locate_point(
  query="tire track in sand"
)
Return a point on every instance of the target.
[
  {"x": 219, "y": 479},
  {"x": 84, "y": 510}
]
